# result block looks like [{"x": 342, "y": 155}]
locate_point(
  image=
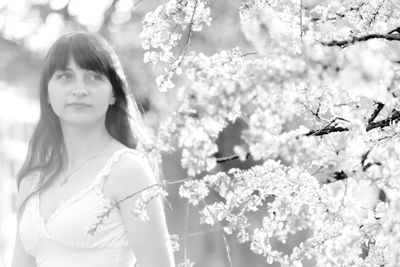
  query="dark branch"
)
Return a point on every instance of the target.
[
  {"x": 395, "y": 30},
  {"x": 364, "y": 157},
  {"x": 378, "y": 109},
  {"x": 337, "y": 176},
  {"x": 395, "y": 117},
  {"x": 249, "y": 54},
  {"x": 369, "y": 164},
  {"x": 225, "y": 159},
  {"x": 382, "y": 195},
  {"x": 326, "y": 130},
  {"x": 390, "y": 36}
]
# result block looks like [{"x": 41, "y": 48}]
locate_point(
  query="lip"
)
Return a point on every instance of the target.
[{"x": 79, "y": 105}]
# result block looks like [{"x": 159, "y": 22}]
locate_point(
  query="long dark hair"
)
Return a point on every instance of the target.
[{"x": 123, "y": 120}]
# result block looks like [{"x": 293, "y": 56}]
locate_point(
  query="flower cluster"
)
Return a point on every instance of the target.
[
  {"x": 146, "y": 196},
  {"x": 186, "y": 263},
  {"x": 194, "y": 190},
  {"x": 163, "y": 29},
  {"x": 319, "y": 98},
  {"x": 267, "y": 27},
  {"x": 175, "y": 243},
  {"x": 291, "y": 198}
]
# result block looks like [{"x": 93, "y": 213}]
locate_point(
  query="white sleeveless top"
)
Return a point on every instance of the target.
[{"x": 64, "y": 239}]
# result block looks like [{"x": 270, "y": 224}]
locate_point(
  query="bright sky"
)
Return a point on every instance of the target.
[
  {"x": 15, "y": 108},
  {"x": 20, "y": 21}
]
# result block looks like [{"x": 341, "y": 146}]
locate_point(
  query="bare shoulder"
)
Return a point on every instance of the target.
[
  {"x": 132, "y": 172},
  {"x": 25, "y": 187}
]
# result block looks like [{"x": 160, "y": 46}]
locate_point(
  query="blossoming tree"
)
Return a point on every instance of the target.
[
  {"x": 320, "y": 98},
  {"x": 319, "y": 95}
]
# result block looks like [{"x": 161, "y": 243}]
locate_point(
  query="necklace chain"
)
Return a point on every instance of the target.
[{"x": 65, "y": 177}]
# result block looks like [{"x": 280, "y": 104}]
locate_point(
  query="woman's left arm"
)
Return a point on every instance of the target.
[{"x": 149, "y": 239}]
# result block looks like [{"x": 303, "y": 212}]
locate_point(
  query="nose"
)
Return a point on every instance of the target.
[{"x": 79, "y": 89}]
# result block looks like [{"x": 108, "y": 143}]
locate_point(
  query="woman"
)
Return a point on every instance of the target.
[{"x": 82, "y": 158}]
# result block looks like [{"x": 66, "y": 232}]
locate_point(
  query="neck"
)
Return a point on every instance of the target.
[{"x": 83, "y": 142}]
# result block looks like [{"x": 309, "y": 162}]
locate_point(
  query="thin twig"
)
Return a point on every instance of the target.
[
  {"x": 186, "y": 230},
  {"x": 314, "y": 113},
  {"x": 189, "y": 35},
  {"x": 164, "y": 183},
  {"x": 178, "y": 181},
  {"x": 344, "y": 195},
  {"x": 183, "y": 51},
  {"x": 137, "y": 3},
  {"x": 228, "y": 252},
  {"x": 199, "y": 233},
  {"x": 301, "y": 20},
  {"x": 249, "y": 54},
  {"x": 223, "y": 233},
  {"x": 387, "y": 138},
  {"x": 137, "y": 192},
  {"x": 376, "y": 12}
]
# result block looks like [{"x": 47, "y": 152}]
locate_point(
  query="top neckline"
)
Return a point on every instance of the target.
[{"x": 98, "y": 178}]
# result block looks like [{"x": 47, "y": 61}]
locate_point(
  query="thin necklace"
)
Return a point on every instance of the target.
[{"x": 65, "y": 177}]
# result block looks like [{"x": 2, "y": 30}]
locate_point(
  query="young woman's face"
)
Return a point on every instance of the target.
[{"x": 80, "y": 96}]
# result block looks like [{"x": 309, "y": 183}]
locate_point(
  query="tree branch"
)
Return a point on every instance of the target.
[
  {"x": 395, "y": 30},
  {"x": 229, "y": 158},
  {"x": 107, "y": 19},
  {"x": 376, "y": 13},
  {"x": 301, "y": 19},
  {"x": 314, "y": 113},
  {"x": 326, "y": 130},
  {"x": 227, "y": 249},
  {"x": 337, "y": 176},
  {"x": 390, "y": 36},
  {"x": 378, "y": 109},
  {"x": 395, "y": 117},
  {"x": 185, "y": 47}
]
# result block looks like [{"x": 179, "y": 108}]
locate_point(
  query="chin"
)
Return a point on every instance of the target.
[
  {"x": 78, "y": 121},
  {"x": 84, "y": 120}
]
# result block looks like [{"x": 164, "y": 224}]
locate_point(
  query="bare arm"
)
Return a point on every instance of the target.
[
  {"x": 148, "y": 239},
  {"x": 20, "y": 257}
]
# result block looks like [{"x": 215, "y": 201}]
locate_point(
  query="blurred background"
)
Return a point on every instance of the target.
[{"x": 28, "y": 28}]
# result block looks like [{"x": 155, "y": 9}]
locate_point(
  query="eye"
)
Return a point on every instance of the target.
[
  {"x": 63, "y": 75},
  {"x": 93, "y": 76}
]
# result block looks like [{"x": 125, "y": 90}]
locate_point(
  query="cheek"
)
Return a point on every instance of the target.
[
  {"x": 55, "y": 97},
  {"x": 106, "y": 95}
]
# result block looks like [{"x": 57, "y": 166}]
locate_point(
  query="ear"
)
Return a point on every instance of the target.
[{"x": 112, "y": 100}]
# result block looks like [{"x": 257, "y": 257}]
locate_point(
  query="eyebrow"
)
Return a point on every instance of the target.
[
  {"x": 69, "y": 69},
  {"x": 66, "y": 69}
]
